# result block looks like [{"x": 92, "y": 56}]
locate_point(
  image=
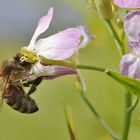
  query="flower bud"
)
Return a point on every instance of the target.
[
  {"x": 119, "y": 23},
  {"x": 104, "y": 9}
]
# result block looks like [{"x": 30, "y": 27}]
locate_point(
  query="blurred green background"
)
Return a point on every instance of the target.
[{"x": 18, "y": 20}]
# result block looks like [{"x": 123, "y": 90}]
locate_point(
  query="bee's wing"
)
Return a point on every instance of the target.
[
  {"x": 1, "y": 96},
  {"x": 1, "y": 102},
  {"x": 2, "y": 91}
]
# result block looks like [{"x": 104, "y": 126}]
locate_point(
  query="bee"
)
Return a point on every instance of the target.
[
  {"x": 16, "y": 97},
  {"x": 12, "y": 71}
]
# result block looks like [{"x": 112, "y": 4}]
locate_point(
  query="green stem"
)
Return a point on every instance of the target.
[
  {"x": 82, "y": 90},
  {"x": 134, "y": 105},
  {"x": 117, "y": 40},
  {"x": 128, "y": 105},
  {"x": 128, "y": 96},
  {"x": 69, "y": 120},
  {"x": 127, "y": 116},
  {"x": 91, "y": 68},
  {"x": 99, "y": 118}
]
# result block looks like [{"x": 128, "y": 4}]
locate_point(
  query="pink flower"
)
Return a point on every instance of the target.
[
  {"x": 128, "y": 3},
  {"x": 130, "y": 63},
  {"x": 60, "y": 46}
]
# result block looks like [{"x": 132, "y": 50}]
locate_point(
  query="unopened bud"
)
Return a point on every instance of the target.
[
  {"x": 104, "y": 9},
  {"x": 120, "y": 23}
]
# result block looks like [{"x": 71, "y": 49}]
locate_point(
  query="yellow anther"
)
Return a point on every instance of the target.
[{"x": 28, "y": 56}]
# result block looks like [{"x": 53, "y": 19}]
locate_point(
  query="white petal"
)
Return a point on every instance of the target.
[
  {"x": 48, "y": 72},
  {"x": 43, "y": 25},
  {"x": 59, "y": 46},
  {"x": 86, "y": 36}
]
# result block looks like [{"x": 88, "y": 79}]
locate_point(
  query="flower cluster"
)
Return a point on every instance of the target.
[
  {"x": 56, "y": 48},
  {"x": 128, "y": 3},
  {"x": 130, "y": 63}
]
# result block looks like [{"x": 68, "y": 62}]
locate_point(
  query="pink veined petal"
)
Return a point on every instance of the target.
[
  {"x": 132, "y": 26},
  {"x": 49, "y": 72},
  {"x": 130, "y": 66},
  {"x": 128, "y": 3},
  {"x": 126, "y": 61},
  {"x": 60, "y": 71},
  {"x": 43, "y": 25},
  {"x": 134, "y": 70},
  {"x": 59, "y": 46},
  {"x": 134, "y": 45}
]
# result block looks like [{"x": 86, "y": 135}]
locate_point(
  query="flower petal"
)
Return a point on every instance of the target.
[
  {"x": 59, "y": 46},
  {"x": 43, "y": 25},
  {"x": 49, "y": 72},
  {"x": 134, "y": 45},
  {"x": 60, "y": 71},
  {"x": 86, "y": 36},
  {"x": 128, "y": 3},
  {"x": 132, "y": 26},
  {"x": 126, "y": 61},
  {"x": 130, "y": 66}
]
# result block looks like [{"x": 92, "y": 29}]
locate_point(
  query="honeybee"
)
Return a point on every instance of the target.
[
  {"x": 16, "y": 97},
  {"x": 12, "y": 71}
]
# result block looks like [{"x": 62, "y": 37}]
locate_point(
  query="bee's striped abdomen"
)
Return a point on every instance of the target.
[{"x": 19, "y": 101}]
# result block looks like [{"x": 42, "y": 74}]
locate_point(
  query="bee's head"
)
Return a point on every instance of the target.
[
  {"x": 7, "y": 67},
  {"x": 23, "y": 64}
]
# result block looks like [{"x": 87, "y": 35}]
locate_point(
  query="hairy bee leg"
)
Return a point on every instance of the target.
[
  {"x": 32, "y": 89},
  {"x": 28, "y": 84},
  {"x": 35, "y": 83}
]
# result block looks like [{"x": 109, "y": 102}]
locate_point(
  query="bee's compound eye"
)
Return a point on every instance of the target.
[{"x": 16, "y": 73}]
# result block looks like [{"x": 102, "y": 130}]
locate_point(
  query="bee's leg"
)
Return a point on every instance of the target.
[
  {"x": 27, "y": 84},
  {"x": 34, "y": 85}
]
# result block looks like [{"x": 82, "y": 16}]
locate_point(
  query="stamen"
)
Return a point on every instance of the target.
[{"x": 28, "y": 56}]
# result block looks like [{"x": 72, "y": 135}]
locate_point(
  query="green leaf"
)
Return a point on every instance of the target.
[
  {"x": 132, "y": 85},
  {"x": 69, "y": 120}
]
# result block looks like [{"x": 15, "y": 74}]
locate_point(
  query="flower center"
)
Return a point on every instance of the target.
[
  {"x": 31, "y": 57},
  {"x": 28, "y": 56}
]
